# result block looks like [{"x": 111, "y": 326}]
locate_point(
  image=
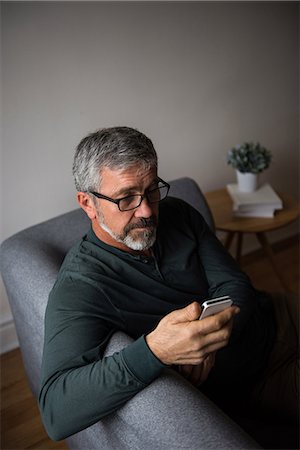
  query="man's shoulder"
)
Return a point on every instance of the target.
[
  {"x": 81, "y": 273},
  {"x": 177, "y": 213},
  {"x": 81, "y": 257},
  {"x": 175, "y": 204},
  {"x": 176, "y": 207}
]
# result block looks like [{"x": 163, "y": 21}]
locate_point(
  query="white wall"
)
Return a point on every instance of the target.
[{"x": 196, "y": 77}]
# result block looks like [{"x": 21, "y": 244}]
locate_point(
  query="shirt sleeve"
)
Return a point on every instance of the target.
[
  {"x": 241, "y": 361},
  {"x": 78, "y": 385},
  {"x": 223, "y": 275}
]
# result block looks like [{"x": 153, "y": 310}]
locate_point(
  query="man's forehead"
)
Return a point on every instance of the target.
[{"x": 123, "y": 180}]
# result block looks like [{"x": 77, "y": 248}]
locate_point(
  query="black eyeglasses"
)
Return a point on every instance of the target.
[{"x": 154, "y": 195}]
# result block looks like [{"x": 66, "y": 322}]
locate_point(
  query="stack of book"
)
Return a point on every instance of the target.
[{"x": 261, "y": 203}]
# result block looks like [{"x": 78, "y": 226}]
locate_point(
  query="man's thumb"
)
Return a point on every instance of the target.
[{"x": 188, "y": 314}]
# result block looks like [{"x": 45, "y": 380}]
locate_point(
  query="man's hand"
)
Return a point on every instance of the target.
[
  {"x": 198, "y": 374},
  {"x": 180, "y": 338}
]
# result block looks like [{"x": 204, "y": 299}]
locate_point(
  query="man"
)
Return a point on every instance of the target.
[{"x": 145, "y": 266}]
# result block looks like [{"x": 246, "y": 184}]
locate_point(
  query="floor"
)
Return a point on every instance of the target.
[{"x": 21, "y": 426}]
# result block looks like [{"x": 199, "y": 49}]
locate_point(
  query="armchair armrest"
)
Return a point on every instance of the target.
[{"x": 168, "y": 414}]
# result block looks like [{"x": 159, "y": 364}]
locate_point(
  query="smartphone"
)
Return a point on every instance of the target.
[{"x": 215, "y": 305}]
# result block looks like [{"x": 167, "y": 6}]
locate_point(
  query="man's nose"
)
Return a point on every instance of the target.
[{"x": 145, "y": 209}]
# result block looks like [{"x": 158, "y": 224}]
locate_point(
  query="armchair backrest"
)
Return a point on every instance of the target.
[{"x": 187, "y": 189}]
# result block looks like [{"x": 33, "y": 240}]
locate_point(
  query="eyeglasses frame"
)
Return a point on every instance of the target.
[{"x": 145, "y": 195}]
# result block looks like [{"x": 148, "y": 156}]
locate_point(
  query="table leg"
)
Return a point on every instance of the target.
[{"x": 262, "y": 238}]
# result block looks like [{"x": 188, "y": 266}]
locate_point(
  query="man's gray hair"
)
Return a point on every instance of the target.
[{"x": 115, "y": 148}]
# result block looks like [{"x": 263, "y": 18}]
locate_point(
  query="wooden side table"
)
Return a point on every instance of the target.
[{"x": 220, "y": 204}]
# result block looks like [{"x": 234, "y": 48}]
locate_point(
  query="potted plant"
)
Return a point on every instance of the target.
[{"x": 249, "y": 159}]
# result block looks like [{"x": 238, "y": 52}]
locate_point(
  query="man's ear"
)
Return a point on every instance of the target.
[{"x": 87, "y": 204}]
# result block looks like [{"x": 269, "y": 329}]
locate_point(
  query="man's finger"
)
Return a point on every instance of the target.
[
  {"x": 187, "y": 314},
  {"x": 219, "y": 320}
]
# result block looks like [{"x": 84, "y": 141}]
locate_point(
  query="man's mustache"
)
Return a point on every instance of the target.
[{"x": 142, "y": 223}]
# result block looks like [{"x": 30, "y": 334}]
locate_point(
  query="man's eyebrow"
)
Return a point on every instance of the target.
[
  {"x": 125, "y": 190},
  {"x": 131, "y": 189}
]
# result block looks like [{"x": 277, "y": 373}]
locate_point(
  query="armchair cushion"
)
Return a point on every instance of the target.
[{"x": 168, "y": 414}]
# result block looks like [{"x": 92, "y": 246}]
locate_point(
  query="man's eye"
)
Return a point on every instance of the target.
[
  {"x": 127, "y": 201},
  {"x": 130, "y": 198}
]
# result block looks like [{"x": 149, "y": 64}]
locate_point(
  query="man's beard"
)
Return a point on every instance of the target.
[{"x": 139, "y": 240}]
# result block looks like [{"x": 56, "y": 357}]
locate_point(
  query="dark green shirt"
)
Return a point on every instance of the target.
[{"x": 101, "y": 289}]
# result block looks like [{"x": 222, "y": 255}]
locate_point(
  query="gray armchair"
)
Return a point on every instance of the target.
[{"x": 168, "y": 414}]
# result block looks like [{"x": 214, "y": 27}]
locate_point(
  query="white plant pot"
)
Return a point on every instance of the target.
[{"x": 247, "y": 182}]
